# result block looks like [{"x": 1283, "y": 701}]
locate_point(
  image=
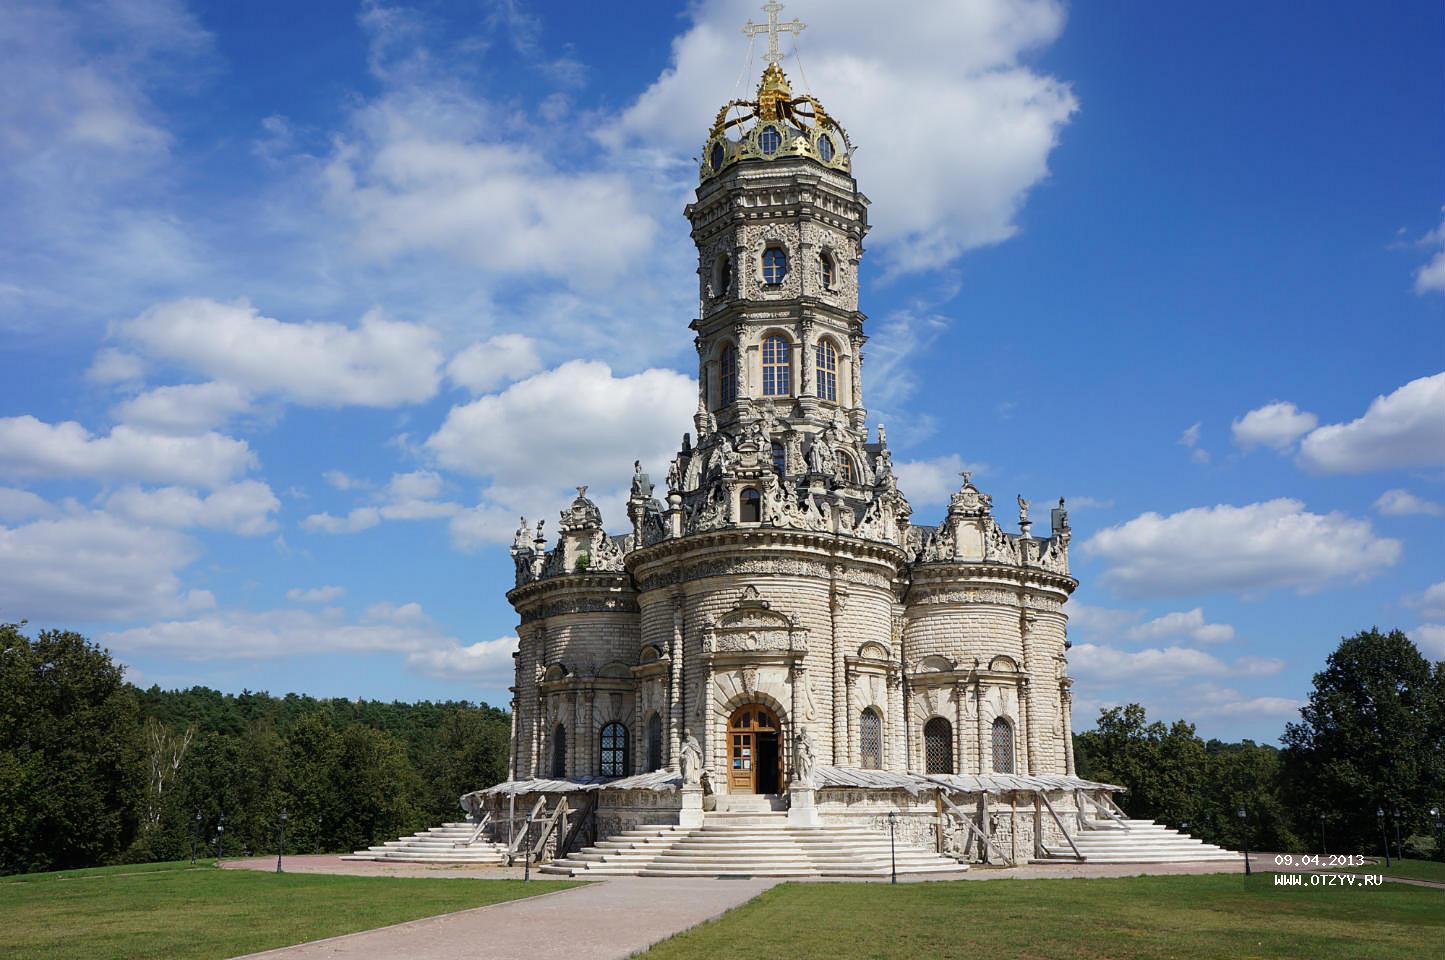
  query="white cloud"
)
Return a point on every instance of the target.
[
  {"x": 1275, "y": 425},
  {"x": 187, "y": 408},
  {"x": 22, "y": 505},
  {"x": 1102, "y": 663},
  {"x": 325, "y": 594},
  {"x": 341, "y": 481},
  {"x": 487, "y": 662},
  {"x": 939, "y": 187},
  {"x": 1184, "y": 623},
  {"x": 378, "y": 363},
  {"x": 276, "y": 634},
  {"x": 1430, "y": 602},
  {"x": 1403, "y": 503},
  {"x": 245, "y": 507},
  {"x": 1431, "y": 276},
  {"x": 407, "y": 496},
  {"x": 1258, "y": 546},
  {"x": 1101, "y": 622},
  {"x": 115, "y": 366},
  {"x": 1430, "y": 638},
  {"x": 1190, "y": 440},
  {"x": 93, "y": 566},
  {"x": 1233, "y": 705},
  {"x": 482, "y": 367},
  {"x": 33, "y": 448},
  {"x": 932, "y": 481},
  {"x": 576, "y": 423},
  {"x": 359, "y": 519},
  {"x": 1404, "y": 429}
]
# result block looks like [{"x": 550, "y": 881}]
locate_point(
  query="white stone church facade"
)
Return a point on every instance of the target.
[{"x": 775, "y": 606}]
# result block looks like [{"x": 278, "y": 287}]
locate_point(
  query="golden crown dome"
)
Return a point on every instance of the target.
[{"x": 773, "y": 126}]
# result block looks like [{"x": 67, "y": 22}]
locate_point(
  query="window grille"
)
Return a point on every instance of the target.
[
  {"x": 870, "y": 736},
  {"x": 729, "y": 374},
  {"x": 770, "y": 140},
  {"x": 559, "y": 753},
  {"x": 775, "y": 265},
  {"x": 614, "y": 751},
  {"x": 850, "y": 469},
  {"x": 654, "y": 742},
  {"x": 780, "y": 459},
  {"x": 1003, "y": 746},
  {"x": 938, "y": 746},
  {"x": 777, "y": 367},
  {"x": 827, "y": 358}
]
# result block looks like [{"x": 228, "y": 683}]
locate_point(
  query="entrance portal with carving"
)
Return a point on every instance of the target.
[{"x": 755, "y": 761}]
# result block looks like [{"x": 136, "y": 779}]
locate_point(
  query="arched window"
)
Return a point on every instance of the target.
[
  {"x": 826, "y": 261},
  {"x": 752, "y": 506},
  {"x": 723, "y": 277},
  {"x": 559, "y": 752},
  {"x": 777, "y": 367},
  {"x": 614, "y": 751},
  {"x": 728, "y": 375},
  {"x": 827, "y": 358},
  {"x": 847, "y": 467},
  {"x": 938, "y": 746},
  {"x": 654, "y": 741},
  {"x": 775, "y": 265},
  {"x": 870, "y": 740},
  {"x": 780, "y": 459},
  {"x": 1003, "y": 746},
  {"x": 770, "y": 140}
]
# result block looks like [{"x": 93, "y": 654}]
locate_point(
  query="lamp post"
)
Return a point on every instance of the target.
[
  {"x": 195, "y": 838},
  {"x": 1384, "y": 840},
  {"x": 1435, "y": 815},
  {"x": 1244, "y": 819},
  {"x": 221, "y": 838},
  {"x": 1399, "y": 847},
  {"x": 892, "y": 855},
  {"x": 1324, "y": 847},
  {"x": 281, "y": 844}
]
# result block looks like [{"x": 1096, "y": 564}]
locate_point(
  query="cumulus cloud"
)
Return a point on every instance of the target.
[
  {"x": 1430, "y": 638},
  {"x": 325, "y": 594},
  {"x": 187, "y": 408},
  {"x": 1430, "y": 602},
  {"x": 1189, "y": 439},
  {"x": 92, "y": 566},
  {"x": 1403, "y": 429},
  {"x": 938, "y": 188},
  {"x": 111, "y": 366},
  {"x": 933, "y": 481},
  {"x": 1275, "y": 425},
  {"x": 1403, "y": 503},
  {"x": 1430, "y": 278},
  {"x": 487, "y": 662},
  {"x": 33, "y": 448},
  {"x": 576, "y": 423},
  {"x": 407, "y": 496},
  {"x": 1104, "y": 623},
  {"x": 1169, "y": 664},
  {"x": 22, "y": 505},
  {"x": 245, "y": 507},
  {"x": 378, "y": 363},
  {"x": 1184, "y": 623},
  {"x": 1258, "y": 546},
  {"x": 483, "y": 367},
  {"x": 359, "y": 519}
]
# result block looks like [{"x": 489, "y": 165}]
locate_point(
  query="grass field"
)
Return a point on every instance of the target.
[
  {"x": 179, "y": 912},
  {"x": 1131, "y": 918},
  {"x": 1409, "y": 869}
]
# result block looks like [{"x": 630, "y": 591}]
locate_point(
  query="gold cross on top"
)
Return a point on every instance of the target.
[{"x": 772, "y": 28}]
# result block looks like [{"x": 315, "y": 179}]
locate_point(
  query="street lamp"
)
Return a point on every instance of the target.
[
  {"x": 892, "y": 855},
  {"x": 220, "y": 838},
  {"x": 195, "y": 838},
  {"x": 281, "y": 844},
  {"x": 1399, "y": 847},
  {"x": 1384, "y": 840},
  {"x": 1435, "y": 815},
  {"x": 1244, "y": 819},
  {"x": 1324, "y": 847}
]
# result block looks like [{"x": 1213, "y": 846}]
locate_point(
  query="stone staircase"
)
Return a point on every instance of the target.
[
  {"x": 444, "y": 844},
  {"x": 1106, "y": 841},
  {"x": 746, "y": 837}
]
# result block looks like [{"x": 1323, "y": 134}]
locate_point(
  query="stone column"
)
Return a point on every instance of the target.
[
  {"x": 984, "y": 763},
  {"x": 805, "y": 361},
  {"x": 590, "y": 751},
  {"x": 674, "y": 685},
  {"x": 1066, "y": 706},
  {"x": 895, "y": 726},
  {"x": 1026, "y": 693},
  {"x": 959, "y": 692},
  {"x": 839, "y": 601},
  {"x": 573, "y": 742}
]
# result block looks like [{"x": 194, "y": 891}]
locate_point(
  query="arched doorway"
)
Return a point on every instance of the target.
[{"x": 755, "y": 757}]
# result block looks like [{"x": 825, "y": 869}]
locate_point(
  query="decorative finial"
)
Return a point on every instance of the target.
[
  {"x": 772, "y": 28},
  {"x": 967, "y": 476},
  {"x": 582, "y": 491}
]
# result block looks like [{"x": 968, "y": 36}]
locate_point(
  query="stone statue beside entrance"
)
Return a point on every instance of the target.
[
  {"x": 691, "y": 760},
  {"x": 804, "y": 759}
]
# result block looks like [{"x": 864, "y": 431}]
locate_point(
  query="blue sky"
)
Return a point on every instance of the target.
[{"x": 302, "y": 305}]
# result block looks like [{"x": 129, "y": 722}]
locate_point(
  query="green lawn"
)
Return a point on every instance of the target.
[
  {"x": 1102, "y": 919},
  {"x": 1409, "y": 869},
  {"x": 177, "y": 912}
]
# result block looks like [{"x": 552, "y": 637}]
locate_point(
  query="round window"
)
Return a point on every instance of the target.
[
  {"x": 717, "y": 156},
  {"x": 770, "y": 140},
  {"x": 825, "y": 148}
]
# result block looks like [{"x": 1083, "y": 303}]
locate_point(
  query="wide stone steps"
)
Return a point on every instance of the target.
[
  {"x": 1106, "y": 841},
  {"x": 444, "y": 844},
  {"x": 753, "y": 843}
]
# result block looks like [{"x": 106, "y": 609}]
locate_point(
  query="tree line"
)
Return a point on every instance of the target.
[{"x": 94, "y": 770}]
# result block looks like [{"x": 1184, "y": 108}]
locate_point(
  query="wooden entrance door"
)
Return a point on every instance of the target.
[{"x": 754, "y": 757}]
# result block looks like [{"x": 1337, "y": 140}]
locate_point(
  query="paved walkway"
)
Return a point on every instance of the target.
[{"x": 597, "y": 921}]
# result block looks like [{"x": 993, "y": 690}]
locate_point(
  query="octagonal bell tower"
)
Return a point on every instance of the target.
[{"x": 779, "y": 225}]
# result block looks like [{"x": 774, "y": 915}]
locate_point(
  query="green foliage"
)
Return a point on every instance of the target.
[
  {"x": 69, "y": 770},
  {"x": 1371, "y": 737}
]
